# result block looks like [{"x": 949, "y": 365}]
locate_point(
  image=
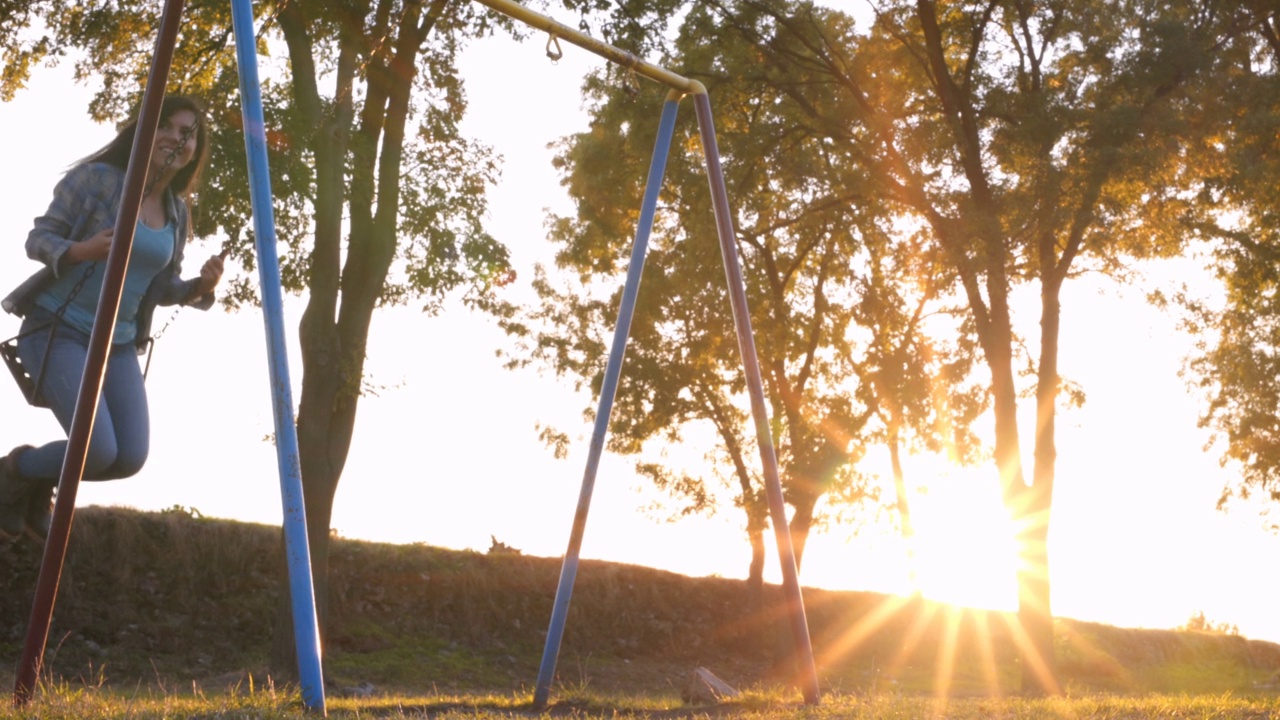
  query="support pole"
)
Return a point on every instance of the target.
[
  {"x": 746, "y": 343},
  {"x": 755, "y": 387},
  {"x": 306, "y": 631},
  {"x": 104, "y": 322},
  {"x": 569, "y": 567}
]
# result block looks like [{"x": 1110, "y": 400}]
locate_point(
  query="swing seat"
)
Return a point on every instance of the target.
[{"x": 9, "y": 351}]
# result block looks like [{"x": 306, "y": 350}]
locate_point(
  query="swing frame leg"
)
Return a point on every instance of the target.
[
  {"x": 55, "y": 548},
  {"x": 742, "y": 323}
]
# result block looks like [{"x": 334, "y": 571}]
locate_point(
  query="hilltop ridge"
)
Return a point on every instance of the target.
[{"x": 171, "y": 598}]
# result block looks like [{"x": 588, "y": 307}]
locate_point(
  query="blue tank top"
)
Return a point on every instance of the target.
[{"x": 152, "y": 251}]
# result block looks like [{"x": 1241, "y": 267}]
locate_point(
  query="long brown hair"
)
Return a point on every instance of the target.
[{"x": 184, "y": 182}]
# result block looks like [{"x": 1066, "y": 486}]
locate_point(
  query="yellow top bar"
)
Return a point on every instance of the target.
[{"x": 605, "y": 50}]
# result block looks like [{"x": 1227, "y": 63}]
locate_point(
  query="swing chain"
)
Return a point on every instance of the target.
[
  {"x": 88, "y": 271},
  {"x": 31, "y": 386},
  {"x": 173, "y": 154},
  {"x": 75, "y": 290},
  {"x": 182, "y": 142}
]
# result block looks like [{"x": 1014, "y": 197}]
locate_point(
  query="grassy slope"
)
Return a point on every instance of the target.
[{"x": 165, "y": 600}]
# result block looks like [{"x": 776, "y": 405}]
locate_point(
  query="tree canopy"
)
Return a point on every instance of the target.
[
  {"x": 992, "y": 145},
  {"x": 834, "y": 299},
  {"x": 1234, "y": 174},
  {"x": 894, "y": 186},
  {"x": 378, "y": 198}
]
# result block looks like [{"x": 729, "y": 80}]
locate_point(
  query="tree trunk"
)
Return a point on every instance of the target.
[
  {"x": 320, "y": 458},
  {"x": 752, "y": 505},
  {"x": 904, "y": 507},
  {"x": 995, "y": 335},
  {"x": 786, "y": 663},
  {"x": 335, "y": 326},
  {"x": 755, "y": 572},
  {"x": 1039, "y": 664},
  {"x": 801, "y": 524},
  {"x": 1035, "y": 612},
  {"x": 1027, "y": 504}
]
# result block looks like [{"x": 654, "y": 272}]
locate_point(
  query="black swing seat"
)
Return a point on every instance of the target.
[
  {"x": 9, "y": 351},
  {"x": 29, "y": 385}
]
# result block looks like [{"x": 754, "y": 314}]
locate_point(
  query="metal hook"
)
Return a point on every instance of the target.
[{"x": 553, "y": 48}]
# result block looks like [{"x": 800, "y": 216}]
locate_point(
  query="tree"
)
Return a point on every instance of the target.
[
  {"x": 1018, "y": 144},
  {"x": 377, "y": 195},
  {"x": 1236, "y": 175},
  {"x": 1030, "y": 142},
  {"x": 823, "y": 323}
]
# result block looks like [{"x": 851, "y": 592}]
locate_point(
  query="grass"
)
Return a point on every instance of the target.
[
  {"x": 170, "y": 615},
  {"x": 271, "y": 704}
]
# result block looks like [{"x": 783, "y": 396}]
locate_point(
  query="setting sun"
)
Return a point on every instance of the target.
[
  {"x": 964, "y": 546},
  {"x": 914, "y": 282}
]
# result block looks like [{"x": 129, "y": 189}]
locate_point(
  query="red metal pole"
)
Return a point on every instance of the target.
[
  {"x": 55, "y": 549},
  {"x": 755, "y": 388}
]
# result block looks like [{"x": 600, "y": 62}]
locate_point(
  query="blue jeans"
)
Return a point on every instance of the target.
[{"x": 122, "y": 428}]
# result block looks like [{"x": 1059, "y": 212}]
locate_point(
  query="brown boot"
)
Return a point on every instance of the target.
[
  {"x": 39, "y": 515},
  {"x": 15, "y": 490}
]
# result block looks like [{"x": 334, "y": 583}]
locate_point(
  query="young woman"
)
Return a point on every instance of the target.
[{"x": 59, "y": 303}]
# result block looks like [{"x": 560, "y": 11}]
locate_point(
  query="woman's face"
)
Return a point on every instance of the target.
[{"x": 169, "y": 135}]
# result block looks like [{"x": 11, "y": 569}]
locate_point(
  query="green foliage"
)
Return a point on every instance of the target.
[
  {"x": 838, "y": 305},
  {"x": 1235, "y": 175},
  {"x": 376, "y": 195},
  {"x": 1199, "y": 623},
  {"x": 896, "y": 185},
  {"x": 437, "y": 199}
]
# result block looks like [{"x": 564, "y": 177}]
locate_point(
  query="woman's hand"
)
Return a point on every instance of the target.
[
  {"x": 90, "y": 249},
  {"x": 210, "y": 275}
]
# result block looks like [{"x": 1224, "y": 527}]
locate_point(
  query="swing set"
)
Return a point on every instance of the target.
[{"x": 306, "y": 632}]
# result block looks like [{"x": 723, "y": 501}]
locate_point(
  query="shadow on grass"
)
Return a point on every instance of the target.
[{"x": 563, "y": 708}]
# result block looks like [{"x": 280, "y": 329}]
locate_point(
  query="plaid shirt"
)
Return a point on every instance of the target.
[{"x": 85, "y": 202}]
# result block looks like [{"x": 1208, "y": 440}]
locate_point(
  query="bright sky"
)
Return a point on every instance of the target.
[{"x": 448, "y": 454}]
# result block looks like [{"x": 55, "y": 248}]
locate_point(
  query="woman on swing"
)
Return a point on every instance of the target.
[{"x": 59, "y": 303}]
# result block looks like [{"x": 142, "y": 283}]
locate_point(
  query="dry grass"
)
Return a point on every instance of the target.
[
  {"x": 159, "y": 606},
  {"x": 270, "y": 704}
]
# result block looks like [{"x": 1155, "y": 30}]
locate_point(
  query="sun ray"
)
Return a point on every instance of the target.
[
  {"x": 986, "y": 654},
  {"x": 1095, "y": 660},
  {"x": 911, "y": 638},
  {"x": 945, "y": 665},
  {"x": 1029, "y": 654},
  {"x": 857, "y": 633}
]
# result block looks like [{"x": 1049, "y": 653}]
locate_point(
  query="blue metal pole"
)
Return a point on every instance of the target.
[
  {"x": 298, "y": 555},
  {"x": 569, "y": 568},
  {"x": 755, "y": 387},
  {"x": 104, "y": 323}
]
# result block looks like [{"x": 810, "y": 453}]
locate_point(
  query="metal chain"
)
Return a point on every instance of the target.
[
  {"x": 75, "y": 290},
  {"x": 382, "y": 41},
  {"x": 374, "y": 51},
  {"x": 88, "y": 271},
  {"x": 174, "y": 315},
  {"x": 182, "y": 143},
  {"x": 36, "y": 382},
  {"x": 186, "y": 135}
]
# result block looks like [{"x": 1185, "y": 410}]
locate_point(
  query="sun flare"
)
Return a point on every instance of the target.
[
  {"x": 959, "y": 563},
  {"x": 963, "y": 550}
]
